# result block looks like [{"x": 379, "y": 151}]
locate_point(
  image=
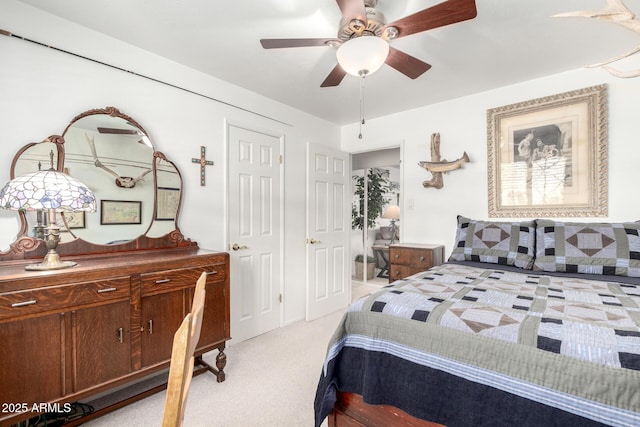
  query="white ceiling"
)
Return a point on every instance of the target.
[{"x": 508, "y": 42}]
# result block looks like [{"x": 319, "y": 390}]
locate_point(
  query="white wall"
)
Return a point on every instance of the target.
[
  {"x": 41, "y": 90},
  {"x": 462, "y": 124}
]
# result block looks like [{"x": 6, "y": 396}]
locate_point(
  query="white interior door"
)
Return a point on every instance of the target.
[
  {"x": 328, "y": 228},
  {"x": 254, "y": 232}
]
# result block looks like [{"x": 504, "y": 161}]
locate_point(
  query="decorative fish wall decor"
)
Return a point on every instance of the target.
[{"x": 437, "y": 167}]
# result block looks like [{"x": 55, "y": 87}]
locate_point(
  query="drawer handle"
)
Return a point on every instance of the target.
[
  {"x": 23, "y": 304},
  {"x": 161, "y": 281},
  {"x": 210, "y": 273},
  {"x": 102, "y": 291},
  {"x": 397, "y": 256},
  {"x": 120, "y": 335},
  {"x": 422, "y": 258}
]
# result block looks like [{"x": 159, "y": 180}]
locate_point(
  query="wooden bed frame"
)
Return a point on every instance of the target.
[{"x": 351, "y": 411}]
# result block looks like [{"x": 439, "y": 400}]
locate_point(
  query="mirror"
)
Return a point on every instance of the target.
[
  {"x": 113, "y": 156},
  {"x": 138, "y": 190},
  {"x": 168, "y": 197},
  {"x": 32, "y": 157}
]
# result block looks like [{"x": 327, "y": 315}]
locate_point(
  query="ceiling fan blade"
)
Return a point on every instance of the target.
[
  {"x": 408, "y": 65},
  {"x": 445, "y": 13},
  {"x": 281, "y": 43},
  {"x": 353, "y": 9},
  {"x": 335, "y": 77},
  {"x": 118, "y": 131}
]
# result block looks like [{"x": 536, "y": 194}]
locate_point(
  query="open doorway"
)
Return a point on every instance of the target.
[{"x": 376, "y": 184}]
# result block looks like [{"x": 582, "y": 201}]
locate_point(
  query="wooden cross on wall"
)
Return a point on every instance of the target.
[{"x": 203, "y": 162}]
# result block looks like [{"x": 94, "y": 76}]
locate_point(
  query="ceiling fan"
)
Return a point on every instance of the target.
[
  {"x": 134, "y": 132},
  {"x": 116, "y": 131},
  {"x": 360, "y": 18}
]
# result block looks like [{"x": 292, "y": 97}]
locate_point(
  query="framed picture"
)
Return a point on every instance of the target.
[
  {"x": 120, "y": 212},
  {"x": 167, "y": 203},
  {"x": 547, "y": 157},
  {"x": 74, "y": 220}
]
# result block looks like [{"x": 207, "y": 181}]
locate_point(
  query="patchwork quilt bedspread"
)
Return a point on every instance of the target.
[{"x": 463, "y": 345}]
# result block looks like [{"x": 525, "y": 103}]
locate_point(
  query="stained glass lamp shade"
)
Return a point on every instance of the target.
[{"x": 51, "y": 191}]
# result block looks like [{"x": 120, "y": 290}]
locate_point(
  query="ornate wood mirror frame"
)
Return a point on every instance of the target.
[{"x": 113, "y": 155}]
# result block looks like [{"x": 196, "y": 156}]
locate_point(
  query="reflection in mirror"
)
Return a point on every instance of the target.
[
  {"x": 10, "y": 225},
  {"x": 114, "y": 157},
  {"x": 32, "y": 157},
  {"x": 168, "y": 188},
  {"x": 36, "y": 157}
]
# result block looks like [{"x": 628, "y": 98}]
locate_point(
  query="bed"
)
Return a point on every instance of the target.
[{"x": 530, "y": 323}]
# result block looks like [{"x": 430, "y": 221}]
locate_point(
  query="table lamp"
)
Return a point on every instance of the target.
[
  {"x": 52, "y": 191},
  {"x": 393, "y": 213}
]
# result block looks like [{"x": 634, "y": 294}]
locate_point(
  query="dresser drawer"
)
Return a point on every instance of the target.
[
  {"x": 400, "y": 256},
  {"x": 422, "y": 259},
  {"x": 169, "y": 280},
  {"x": 62, "y": 297},
  {"x": 406, "y": 259},
  {"x": 397, "y": 272}
]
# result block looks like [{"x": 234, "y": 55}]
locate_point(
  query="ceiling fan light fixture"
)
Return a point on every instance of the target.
[{"x": 362, "y": 55}]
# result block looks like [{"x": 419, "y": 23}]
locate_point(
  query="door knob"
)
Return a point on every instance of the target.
[
  {"x": 235, "y": 247},
  {"x": 313, "y": 241}
]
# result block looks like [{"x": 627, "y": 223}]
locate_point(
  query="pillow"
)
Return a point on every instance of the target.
[
  {"x": 594, "y": 248},
  {"x": 506, "y": 243}
]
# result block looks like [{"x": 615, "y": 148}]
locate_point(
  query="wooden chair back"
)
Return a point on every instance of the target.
[{"x": 185, "y": 341}]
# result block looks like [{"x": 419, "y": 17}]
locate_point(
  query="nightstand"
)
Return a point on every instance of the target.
[
  {"x": 406, "y": 259},
  {"x": 383, "y": 250}
]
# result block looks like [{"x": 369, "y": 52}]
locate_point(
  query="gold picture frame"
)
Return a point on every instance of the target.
[{"x": 547, "y": 157}]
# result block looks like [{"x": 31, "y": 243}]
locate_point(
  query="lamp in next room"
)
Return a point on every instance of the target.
[
  {"x": 393, "y": 213},
  {"x": 52, "y": 191}
]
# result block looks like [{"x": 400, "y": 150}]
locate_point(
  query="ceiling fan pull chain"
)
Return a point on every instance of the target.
[{"x": 361, "y": 105}]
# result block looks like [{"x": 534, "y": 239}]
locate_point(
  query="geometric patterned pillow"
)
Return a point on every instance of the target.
[
  {"x": 506, "y": 243},
  {"x": 595, "y": 248}
]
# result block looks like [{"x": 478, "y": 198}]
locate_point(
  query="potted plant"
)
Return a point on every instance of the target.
[
  {"x": 377, "y": 187},
  {"x": 371, "y": 265}
]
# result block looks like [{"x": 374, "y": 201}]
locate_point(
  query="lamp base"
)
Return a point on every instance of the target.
[
  {"x": 394, "y": 232},
  {"x": 51, "y": 261},
  {"x": 43, "y": 266}
]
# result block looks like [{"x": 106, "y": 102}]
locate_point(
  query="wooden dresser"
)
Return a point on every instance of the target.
[
  {"x": 71, "y": 334},
  {"x": 406, "y": 259}
]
